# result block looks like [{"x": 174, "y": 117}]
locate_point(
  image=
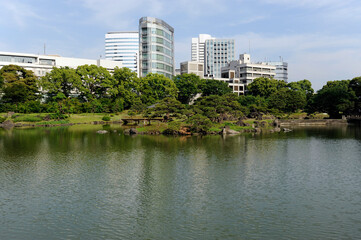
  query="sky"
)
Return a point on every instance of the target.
[{"x": 320, "y": 39}]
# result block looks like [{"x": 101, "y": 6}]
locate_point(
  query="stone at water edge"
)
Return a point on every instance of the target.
[{"x": 102, "y": 131}]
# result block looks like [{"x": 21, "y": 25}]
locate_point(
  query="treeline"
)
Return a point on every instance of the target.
[{"x": 92, "y": 89}]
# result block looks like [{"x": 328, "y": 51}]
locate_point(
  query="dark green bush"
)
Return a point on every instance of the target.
[
  {"x": 106, "y": 118},
  {"x": 199, "y": 123},
  {"x": 2, "y": 119}
]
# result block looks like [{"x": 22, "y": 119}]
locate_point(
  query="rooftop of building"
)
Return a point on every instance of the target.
[
  {"x": 156, "y": 20},
  {"x": 117, "y": 32}
]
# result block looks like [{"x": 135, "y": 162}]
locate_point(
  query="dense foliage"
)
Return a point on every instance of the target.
[{"x": 196, "y": 101}]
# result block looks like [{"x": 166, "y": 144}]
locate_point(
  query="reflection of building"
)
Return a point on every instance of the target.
[
  {"x": 124, "y": 47},
  {"x": 247, "y": 71},
  {"x": 156, "y": 48},
  {"x": 42, "y": 64},
  {"x": 192, "y": 67},
  {"x": 217, "y": 53}
]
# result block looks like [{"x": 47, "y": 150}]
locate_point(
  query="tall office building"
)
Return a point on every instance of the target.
[
  {"x": 217, "y": 53},
  {"x": 124, "y": 47},
  {"x": 156, "y": 49},
  {"x": 198, "y": 47}
]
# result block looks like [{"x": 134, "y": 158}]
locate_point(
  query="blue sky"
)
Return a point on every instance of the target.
[{"x": 320, "y": 39}]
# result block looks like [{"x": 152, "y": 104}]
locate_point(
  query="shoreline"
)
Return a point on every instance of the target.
[{"x": 276, "y": 126}]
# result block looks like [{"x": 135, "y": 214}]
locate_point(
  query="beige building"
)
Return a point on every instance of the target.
[
  {"x": 246, "y": 71},
  {"x": 192, "y": 67}
]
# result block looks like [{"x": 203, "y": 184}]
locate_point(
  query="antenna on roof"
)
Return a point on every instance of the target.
[
  {"x": 249, "y": 47},
  {"x": 44, "y": 49}
]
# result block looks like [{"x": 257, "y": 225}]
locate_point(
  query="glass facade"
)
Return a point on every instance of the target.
[
  {"x": 156, "y": 47},
  {"x": 124, "y": 47},
  {"x": 218, "y": 52},
  {"x": 16, "y": 59}
]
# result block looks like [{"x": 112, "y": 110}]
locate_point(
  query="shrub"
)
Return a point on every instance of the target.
[
  {"x": 199, "y": 123},
  {"x": 2, "y": 119},
  {"x": 106, "y": 118},
  {"x": 55, "y": 116},
  {"x": 26, "y": 118}
]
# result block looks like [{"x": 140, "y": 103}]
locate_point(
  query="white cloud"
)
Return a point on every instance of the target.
[
  {"x": 17, "y": 12},
  {"x": 247, "y": 20},
  {"x": 120, "y": 13},
  {"x": 311, "y": 3}
]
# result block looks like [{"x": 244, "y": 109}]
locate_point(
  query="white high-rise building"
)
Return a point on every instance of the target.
[
  {"x": 124, "y": 47},
  {"x": 198, "y": 47}
]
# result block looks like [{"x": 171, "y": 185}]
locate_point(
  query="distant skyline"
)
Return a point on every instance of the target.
[{"x": 320, "y": 40}]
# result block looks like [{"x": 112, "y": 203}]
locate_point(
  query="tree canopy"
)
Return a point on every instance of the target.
[
  {"x": 287, "y": 100},
  {"x": 335, "y": 98},
  {"x": 125, "y": 85},
  {"x": 188, "y": 86},
  {"x": 19, "y": 84},
  {"x": 214, "y": 87},
  {"x": 154, "y": 87},
  {"x": 94, "y": 81},
  {"x": 63, "y": 80},
  {"x": 264, "y": 87}
]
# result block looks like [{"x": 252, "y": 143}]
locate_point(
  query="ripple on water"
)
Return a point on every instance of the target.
[{"x": 79, "y": 185}]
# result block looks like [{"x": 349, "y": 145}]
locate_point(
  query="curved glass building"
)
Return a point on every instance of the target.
[{"x": 156, "y": 47}]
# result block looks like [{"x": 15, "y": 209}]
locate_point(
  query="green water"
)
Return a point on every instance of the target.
[{"x": 71, "y": 183}]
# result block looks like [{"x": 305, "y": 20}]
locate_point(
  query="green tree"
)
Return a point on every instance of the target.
[
  {"x": 155, "y": 87},
  {"x": 287, "y": 100},
  {"x": 219, "y": 108},
  {"x": 253, "y": 104},
  {"x": 355, "y": 85},
  {"x": 125, "y": 84},
  {"x": 214, "y": 87},
  {"x": 94, "y": 82},
  {"x": 1, "y": 82},
  {"x": 199, "y": 123},
  {"x": 335, "y": 98},
  {"x": 188, "y": 86},
  {"x": 19, "y": 84},
  {"x": 62, "y": 80},
  {"x": 303, "y": 86},
  {"x": 264, "y": 87},
  {"x": 168, "y": 107}
]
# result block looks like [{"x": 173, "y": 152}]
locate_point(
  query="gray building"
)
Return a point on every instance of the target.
[
  {"x": 156, "y": 48},
  {"x": 217, "y": 53},
  {"x": 281, "y": 70}
]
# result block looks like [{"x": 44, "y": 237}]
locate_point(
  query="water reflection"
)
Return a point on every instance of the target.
[{"x": 74, "y": 183}]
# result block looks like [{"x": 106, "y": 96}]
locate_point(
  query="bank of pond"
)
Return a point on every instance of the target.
[{"x": 167, "y": 126}]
